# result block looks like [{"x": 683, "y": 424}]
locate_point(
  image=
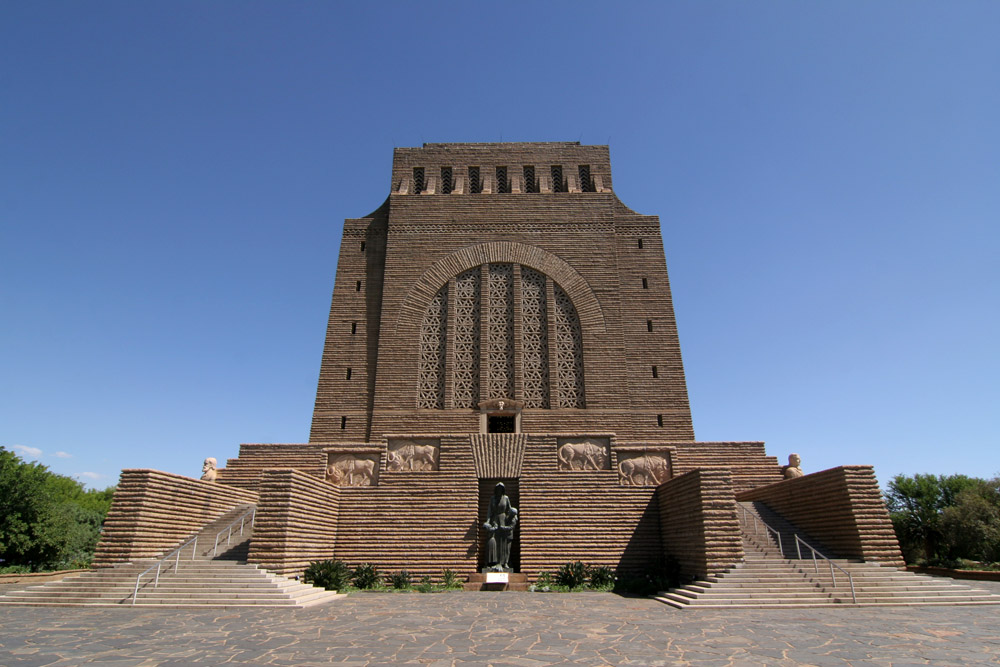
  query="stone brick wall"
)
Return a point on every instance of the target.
[
  {"x": 747, "y": 461},
  {"x": 152, "y": 512},
  {"x": 841, "y": 507},
  {"x": 620, "y": 289},
  {"x": 245, "y": 470},
  {"x": 698, "y": 521},
  {"x": 296, "y": 521}
]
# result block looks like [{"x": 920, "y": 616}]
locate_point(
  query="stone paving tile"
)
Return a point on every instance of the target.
[{"x": 519, "y": 629}]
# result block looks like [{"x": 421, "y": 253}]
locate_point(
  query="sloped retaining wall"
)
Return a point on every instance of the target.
[
  {"x": 841, "y": 507},
  {"x": 698, "y": 521},
  {"x": 296, "y": 521},
  {"x": 152, "y": 512}
]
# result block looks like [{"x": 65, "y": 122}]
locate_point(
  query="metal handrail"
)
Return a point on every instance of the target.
[
  {"x": 242, "y": 520},
  {"x": 799, "y": 541},
  {"x": 756, "y": 528},
  {"x": 176, "y": 555}
]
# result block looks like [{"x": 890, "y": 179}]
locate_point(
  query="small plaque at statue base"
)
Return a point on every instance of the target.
[{"x": 497, "y": 577}]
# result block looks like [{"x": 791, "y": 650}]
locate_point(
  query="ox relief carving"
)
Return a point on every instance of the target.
[
  {"x": 412, "y": 454},
  {"x": 643, "y": 468},
  {"x": 584, "y": 453},
  {"x": 352, "y": 468}
]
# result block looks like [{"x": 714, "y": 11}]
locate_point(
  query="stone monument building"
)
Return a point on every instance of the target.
[{"x": 501, "y": 318}]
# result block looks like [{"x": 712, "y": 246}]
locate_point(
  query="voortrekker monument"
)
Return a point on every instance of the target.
[{"x": 501, "y": 388}]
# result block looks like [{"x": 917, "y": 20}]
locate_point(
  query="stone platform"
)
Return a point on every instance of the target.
[{"x": 498, "y": 629}]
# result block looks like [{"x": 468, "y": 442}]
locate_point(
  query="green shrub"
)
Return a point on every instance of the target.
[
  {"x": 602, "y": 578},
  {"x": 333, "y": 575},
  {"x": 572, "y": 575},
  {"x": 400, "y": 580},
  {"x": 366, "y": 577},
  {"x": 449, "y": 580},
  {"x": 425, "y": 585}
]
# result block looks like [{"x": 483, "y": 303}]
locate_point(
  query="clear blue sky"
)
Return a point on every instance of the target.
[{"x": 174, "y": 177}]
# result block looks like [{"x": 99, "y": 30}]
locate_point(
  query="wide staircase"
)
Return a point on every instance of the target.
[
  {"x": 780, "y": 571},
  {"x": 209, "y": 570}
]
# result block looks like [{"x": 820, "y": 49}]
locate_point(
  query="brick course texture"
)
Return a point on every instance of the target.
[
  {"x": 698, "y": 521},
  {"x": 296, "y": 521},
  {"x": 542, "y": 307},
  {"x": 841, "y": 507},
  {"x": 152, "y": 512}
]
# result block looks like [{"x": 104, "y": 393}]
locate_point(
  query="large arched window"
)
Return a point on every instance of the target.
[{"x": 526, "y": 324}]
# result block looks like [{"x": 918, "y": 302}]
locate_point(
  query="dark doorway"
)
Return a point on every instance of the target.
[
  {"x": 512, "y": 487},
  {"x": 500, "y": 423}
]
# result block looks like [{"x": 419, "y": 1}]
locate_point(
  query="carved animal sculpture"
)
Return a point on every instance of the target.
[
  {"x": 355, "y": 472},
  {"x": 411, "y": 456},
  {"x": 587, "y": 454},
  {"x": 643, "y": 470}
]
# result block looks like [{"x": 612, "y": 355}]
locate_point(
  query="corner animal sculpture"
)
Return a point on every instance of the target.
[
  {"x": 352, "y": 471},
  {"x": 411, "y": 456},
  {"x": 794, "y": 467},
  {"x": 587, "y": 454},
  {"x": 643, "y": 470},
  {"x": 208, "y": 469}
]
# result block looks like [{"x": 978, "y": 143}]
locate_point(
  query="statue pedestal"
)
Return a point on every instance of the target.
[
  {"x": 514, "y": 581},
  {"x": 497, "y": 577}
]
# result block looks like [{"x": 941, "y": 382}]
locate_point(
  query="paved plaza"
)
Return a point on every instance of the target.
[{"x": 499, "y": 629}]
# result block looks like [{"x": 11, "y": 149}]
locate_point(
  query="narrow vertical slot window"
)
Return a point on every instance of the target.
[
  {"x": 357, "y": 287},
  {"x": 530, "y": 182},
  {"x": 649, "y": 325},
  {"x": 640, "y": 244},
  {"x": 475, "y": 183},
  {"x": 586, "y": 182},
  {"x": 343, "y": 423},
  {"x": 446, "y": 183},
  {"x": 503, "y": 185},
  {"x": 645, "y": 284},
  {"x": 659, "y": 420},
  {"x": 348, "y": 373},
  {"x": 354, "y": 328},
  {"x": 558, "y": 182},
  {"x": 655, "y": 374},
  {"x": 362, "y": 246},
  {"x": 418, "y": 180}
]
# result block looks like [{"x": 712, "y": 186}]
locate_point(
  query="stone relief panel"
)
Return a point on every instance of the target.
[
  {"x": 643, "y": 468},
  {"x": 584, "y": 453},
  {"x": 412, "y": 454},
  {"x": 352, "y": 468}
]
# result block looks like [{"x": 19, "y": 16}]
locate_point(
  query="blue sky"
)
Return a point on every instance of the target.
[{"x": 174, "y": 177}]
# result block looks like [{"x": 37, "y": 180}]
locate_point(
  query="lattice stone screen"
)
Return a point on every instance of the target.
[{"x": 544, "y": 304}]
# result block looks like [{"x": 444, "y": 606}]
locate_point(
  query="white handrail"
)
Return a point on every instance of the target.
[
  {"x": 176, "y": 553},
  {"x": 833, "y": 576},
  {"x": 242, "y": 520}
]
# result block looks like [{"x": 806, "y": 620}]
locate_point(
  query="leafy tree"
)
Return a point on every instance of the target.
[
  {"x": 46, "y": 520},
  {"x": 971, "y": 526},
  {"x": 931, "y": 512}
]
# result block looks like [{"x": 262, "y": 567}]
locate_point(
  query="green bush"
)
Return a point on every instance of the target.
[
  {"x": 333, "y": 575},
  {"x": 400, "y": 580},
  {"x": 425, "y": 585},
  {"x": 449, "y": 580},
  {"x": 366, "y": 577},
  {"x": 602, "y": 578},
  {"x": 572, "y": 575}
]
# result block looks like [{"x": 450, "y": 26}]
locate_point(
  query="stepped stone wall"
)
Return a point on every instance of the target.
[
  {"x": 152, "y": 512},
  {"x": 747, "y": 461},
  {"x": 698, "y": 521},
  {"x": 842, "y": 507},
  {"x": 245, "y": 471},
  {"x": 296, "y": 521}
]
